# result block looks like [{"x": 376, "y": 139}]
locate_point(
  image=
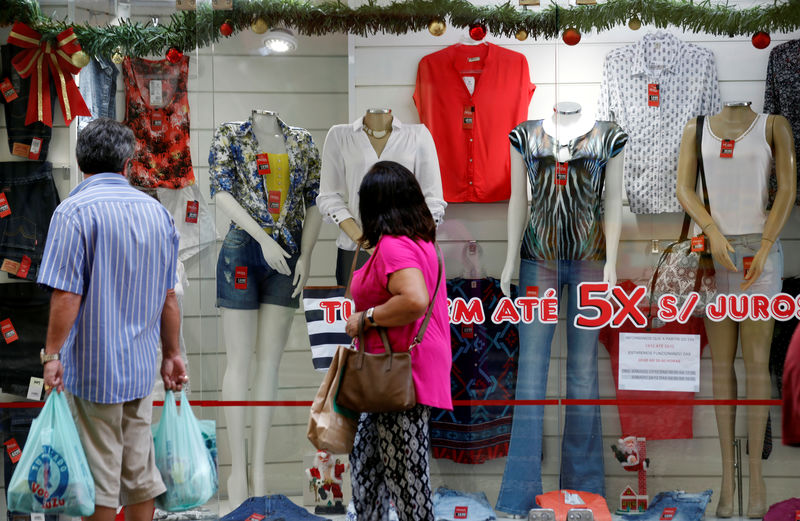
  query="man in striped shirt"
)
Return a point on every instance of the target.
[{"x": 110, "y": 258}]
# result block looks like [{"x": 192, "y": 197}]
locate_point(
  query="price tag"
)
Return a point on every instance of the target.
[
  {"x": 222, "y": 4},
  {"x": 10, "y": 266},
  {"x": 653, "y": 95},
  {"x": 37, "y": 516},
  {"x": 8, "y": 331},
  {"x": 35, "y": 388},
  {"x": 460, "y": 512},
  {"x": 274, "y": 202},
  {"x": 469, "y": 81},
  {"x": 797, "y": 515},
  {"x": 185, "y": 5},
  {"x": 255, "y": 517},
  {"x": 560, "y": 178},
  {"x": 156, "y": 93},
  {"x": 5, "y": 209},
  {"x": 699, "y": 243},
  {"x": 8, "y": 90},
  {"x": 726, "y": 148},
  {"x": 157, "y": 121},
  {"x": 13, "y": 450},
  {"x": 668, "y": 513},
  {"x": 36, "y": 147},
  {"x": 21, "y": 150},
  {"x": 24, "y": 267},
  {"x": 531, "y": 291},
  {"x": 240, "y": 277},
  {"x": 468, "y": 117},
  {"x": 192, "y": 209},
  {"x": 467, "y": 331},
  {"x": 746, "y": 263},
  {"x": 262, "y": 164}
]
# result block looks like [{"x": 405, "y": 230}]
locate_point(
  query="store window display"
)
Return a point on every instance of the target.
[
  {"x": 748, "y": 259},
  {"x": 265, "y": 177},
  {"x": 567, "y": 235},
  {"x": 349, "y": 152}
]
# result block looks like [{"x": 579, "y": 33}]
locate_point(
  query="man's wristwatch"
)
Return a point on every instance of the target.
[
  {"x": 369, "y": 316},
  {"x": 48, "y": 358}
]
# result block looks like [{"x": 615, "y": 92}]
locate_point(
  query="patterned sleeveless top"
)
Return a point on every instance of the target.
[
  {"x": 566, "y": 221},
  {"x": 157, "y": 109}
]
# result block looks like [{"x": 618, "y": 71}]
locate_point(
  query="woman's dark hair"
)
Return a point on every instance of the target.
[
  {"x": 103, "y": 146},
  {"x": 391, "y": 203}
]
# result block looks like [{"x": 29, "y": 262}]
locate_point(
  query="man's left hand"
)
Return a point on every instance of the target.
[{"x": 173, "y": 372}]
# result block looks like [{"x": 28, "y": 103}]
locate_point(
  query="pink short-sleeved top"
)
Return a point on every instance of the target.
[{"x": 431, "y": 359}]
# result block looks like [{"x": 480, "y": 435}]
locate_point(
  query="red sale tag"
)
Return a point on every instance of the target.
[
  {"x": 747, "y": 262},
  {"x": 240, "y": 277},
  {"x": 561, "y": 173},
  {"x": 8, "y": 90},
  {"x": 797, "y": 515},
  {"x": 255, "y": 517},
  {"x": 192, "y": 209},
  {"x": 274, "y": 201},
  {"x": 653, "y": 95},
  {"x": 24, "y": 267},
  {"x": 14, "y": 452},
  {"x": 468, "y": 118},
  {"x": 157, "y": 120},
  {"x": 460, "y": 512},
  {"x": 5, "y": 209},
  {"x": 262, "y": 162},
  {"x": 36, "y": 147},
  {"x": 8, "y": 331},
  {"x": 531, "y": 291},
  {"x": 699, "y": 243},
  {"x": 668, "y": 514},
  {"x": 467, "y": 331},
  {"x": 726, "y": 148}
]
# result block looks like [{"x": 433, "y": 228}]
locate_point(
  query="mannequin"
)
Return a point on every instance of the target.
[
  {"x": 577, "y": 140},
  {"x": 264, "y": 330},
  {"x": 734, "y": 122}
]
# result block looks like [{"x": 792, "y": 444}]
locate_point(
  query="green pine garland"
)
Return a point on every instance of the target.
[{"x": 190, "y": 29}]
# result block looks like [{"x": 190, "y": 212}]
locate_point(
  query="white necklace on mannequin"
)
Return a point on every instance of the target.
[{"x": 377, "y": 134}]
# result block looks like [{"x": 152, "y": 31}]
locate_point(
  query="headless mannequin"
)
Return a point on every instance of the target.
[
  {"x": 755, "y": 336},
  {"x": 264, "y": 330},
  {"x": 566, "y": 124},
  {"x": 379, "y": 121}
]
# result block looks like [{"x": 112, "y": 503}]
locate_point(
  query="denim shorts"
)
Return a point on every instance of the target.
[
  {"x": 276, "y": 507},
  {"x": 262, "y": 285},
  {"x": 688, "y": 507},
  {"x": 770, "y": 281},
  {"x": 449, "y": 505},
  {"x": 32, "y": 197}
]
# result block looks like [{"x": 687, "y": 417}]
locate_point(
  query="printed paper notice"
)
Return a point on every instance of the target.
[{"x": 659, "y": 362}]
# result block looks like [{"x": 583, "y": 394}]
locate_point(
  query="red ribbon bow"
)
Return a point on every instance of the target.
[{"x": 38, "y": 61}]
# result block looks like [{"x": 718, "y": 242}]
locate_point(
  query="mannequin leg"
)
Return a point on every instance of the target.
[
  {"x": 723, "y": 339},
  {"x": 274, "y": 325},
  {"x": 239, "y": 328},
  {"x": 756, "y": 341}
]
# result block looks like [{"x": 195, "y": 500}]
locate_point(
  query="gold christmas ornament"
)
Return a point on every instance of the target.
[
  {"x": 80, "y": 59},
  {"x": 635, "y": 24},
  {"x": 437, "y": 27},
  {"x": 117, "y": 57},
  {"x": 260, "y": 26},
  {"x": 522, "y": 35}
]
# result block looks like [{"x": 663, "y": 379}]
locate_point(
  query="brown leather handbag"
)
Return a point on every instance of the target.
[{"x": 382, "y": 382}]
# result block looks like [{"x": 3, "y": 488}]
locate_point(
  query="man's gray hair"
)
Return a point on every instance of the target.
[{"x": 103, "y": 146}]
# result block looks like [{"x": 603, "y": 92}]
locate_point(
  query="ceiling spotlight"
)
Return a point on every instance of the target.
[{"x": 279, "y": 41}]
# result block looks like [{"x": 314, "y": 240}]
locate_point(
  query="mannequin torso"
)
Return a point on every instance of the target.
[
  {"x": 379, "y": 121},
  {"x": 566, "y": 125}
]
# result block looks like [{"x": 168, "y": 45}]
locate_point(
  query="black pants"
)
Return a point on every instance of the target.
[
  {"x": 27, "y": 306},
  {"x": 344, "y": 261}
]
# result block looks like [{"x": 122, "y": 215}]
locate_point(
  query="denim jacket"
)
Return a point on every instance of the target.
[{"x": 98, "y": 86}]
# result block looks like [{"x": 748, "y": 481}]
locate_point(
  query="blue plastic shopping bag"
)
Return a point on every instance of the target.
[
  {"x": 52, "y": 475},
  {"x": 182, "y": 458}
]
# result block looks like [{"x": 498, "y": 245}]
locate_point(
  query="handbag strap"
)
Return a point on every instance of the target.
[{"x": 701, "y": 177}]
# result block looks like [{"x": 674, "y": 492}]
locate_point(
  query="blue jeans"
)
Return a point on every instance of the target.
[
  {"x": 276, "y": 508},
  {"x": 688, "y": 507},
  {"x": 582, "y": 444}
]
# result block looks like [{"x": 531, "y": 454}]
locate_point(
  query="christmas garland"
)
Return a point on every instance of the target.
[{"x": 204, "y": 26}]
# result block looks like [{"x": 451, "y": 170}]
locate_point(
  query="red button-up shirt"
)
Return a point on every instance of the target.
[{"x": 470, "y": 130}]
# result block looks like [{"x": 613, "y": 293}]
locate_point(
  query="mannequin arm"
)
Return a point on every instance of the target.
[
  {"x": 273, "y": 253},
  {"x": 691, "y": 202},
  {"x": 311, "y": 225},
  {"x": 612, "y": 222},
  {"x": 786, "y": 172},
  {"x": 517, "y": 215}
]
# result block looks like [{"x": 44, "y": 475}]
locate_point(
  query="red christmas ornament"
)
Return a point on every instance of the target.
[
  {"x": 226, "y": 29},
  {"x": 477, "y": 31},
  {"x": 571, "y": 36},
  {"x": 174, "y": 55},
  {"x": 761, "y": 40}
]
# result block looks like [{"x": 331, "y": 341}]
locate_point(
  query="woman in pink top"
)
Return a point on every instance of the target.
[{"x": 393, "y": 289}]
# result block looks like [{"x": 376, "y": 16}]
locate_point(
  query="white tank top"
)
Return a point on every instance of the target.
[{"x": 737, "y": 186}]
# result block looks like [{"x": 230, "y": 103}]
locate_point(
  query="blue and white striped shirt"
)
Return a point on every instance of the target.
[{"x": 118, "y": 248}]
